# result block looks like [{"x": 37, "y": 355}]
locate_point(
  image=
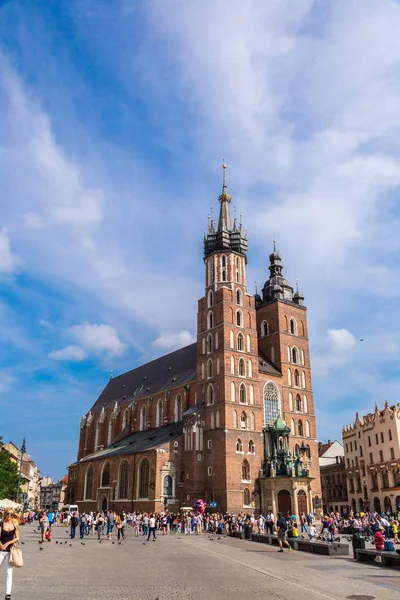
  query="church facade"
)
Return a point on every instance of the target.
[{"x": 192, "y": 423}]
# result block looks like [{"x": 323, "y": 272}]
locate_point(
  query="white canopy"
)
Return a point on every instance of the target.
[{"x": 9, "y": 504}]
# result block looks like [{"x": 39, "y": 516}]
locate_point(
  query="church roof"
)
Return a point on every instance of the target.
[
  {"x": 140, "y": 441},
  {"x": 171, "y": 370}
]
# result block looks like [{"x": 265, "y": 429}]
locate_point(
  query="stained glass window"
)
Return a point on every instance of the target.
[{"x": 271, "y": 403}]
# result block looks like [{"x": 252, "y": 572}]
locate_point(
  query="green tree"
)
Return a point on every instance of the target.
[{"x": 8, "y": 477}]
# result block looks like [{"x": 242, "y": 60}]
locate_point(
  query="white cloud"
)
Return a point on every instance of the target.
[
  {"x": 69, "y": 353},
  {"x": 173, "y": 341},
  {"x": 98, "y": 338},
  {"x": 340, "y": 340},
  {"x": 8, "y": 261}
]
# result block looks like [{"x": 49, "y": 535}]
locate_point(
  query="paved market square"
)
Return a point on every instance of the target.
[{"x": 179, "y": 567}]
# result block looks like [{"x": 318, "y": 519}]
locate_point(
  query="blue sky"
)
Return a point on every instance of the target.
[{"x": 115, "y": 116}]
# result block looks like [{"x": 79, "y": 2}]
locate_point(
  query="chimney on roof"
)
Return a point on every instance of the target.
[{"x": 329, "y": 442}]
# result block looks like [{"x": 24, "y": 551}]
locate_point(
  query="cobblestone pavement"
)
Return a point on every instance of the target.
[{"x": 188, "y": 568}]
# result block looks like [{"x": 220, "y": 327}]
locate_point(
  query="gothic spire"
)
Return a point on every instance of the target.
[{"x": 224, "y": 223}]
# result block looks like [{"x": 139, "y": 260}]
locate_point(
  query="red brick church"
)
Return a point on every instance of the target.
[{"x": 190, "y": 424}]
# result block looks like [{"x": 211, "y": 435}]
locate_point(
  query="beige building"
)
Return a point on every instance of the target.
[
  {"x": 333, "y": 477},
  {"x": 372, "y": 460}
]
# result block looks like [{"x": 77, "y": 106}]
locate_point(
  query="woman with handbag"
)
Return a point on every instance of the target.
[{"x": 9, "y": 535}]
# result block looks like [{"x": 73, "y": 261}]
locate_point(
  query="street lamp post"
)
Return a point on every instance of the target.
[{"x": 23, "y": 450}]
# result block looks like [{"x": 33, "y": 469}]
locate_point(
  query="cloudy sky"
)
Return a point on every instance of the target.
[{"x": 114, "y": 118}]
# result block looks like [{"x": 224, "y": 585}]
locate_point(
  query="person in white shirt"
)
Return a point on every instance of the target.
[
  {"x": 312, "y": 533},
  {"x": 152, "y": 527}
]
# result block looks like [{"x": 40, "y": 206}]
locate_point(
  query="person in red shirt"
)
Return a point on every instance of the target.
[{"x": 379, "y": 539}]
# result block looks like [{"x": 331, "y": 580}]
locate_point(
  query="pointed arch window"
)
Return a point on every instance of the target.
[
  {"x": 296, "y": 378},
  {"x": 308, "y": 429},
  {"x": 298, "y": 403},
  {"x": 239, "y": 297},
  {"x": 209, "y": 368},
  {"x": 105, "y": 475},
  {"x": 302, "y": 358},
  {"x": 264, "y": 328},
  {"x": 240, "y": 342},
  {"x": 303, "y": 380},
  {"x": 243, "y": 421},
  {"x": 210, "y": 322},
  {"x": 123, "y": 480},
  {"x": 239, "y": 445},
  {"x": 143, "y": 418},
  {"x": 300, "y": 429},
  {"x": 242, "y": 394},
  {"x": 252, "y": 447},
  {"x": 242, "y": 368},
  {"x": 295, "y": 356},
  {"x": 233, "y": 392},
  {"x": 245, "y": 470},
  {"x": 238, "y": 270},
  {"x": 210, "y": 394},
  {"x": 209, "y": 343},
  {"x": 223, "y": 267},
  {"x": 239, "y": 318},
  {"x": 144, "y": 473},
  {"x": 89, "y": 483},
  {"x": 293, "y": 326},
  {"x": 159, "y": 415},
  {"x": 234, "y": 419},
  {"x": 178, "y": 408},
  {"x": 305, "y": 404},
  {"x": 271, "y": 403},
  {"x": 210, "y": 298}
]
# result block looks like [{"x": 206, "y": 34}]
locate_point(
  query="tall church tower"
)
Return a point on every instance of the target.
[
  {"x": 283, "y": 338},
  {"x": 227, "y": 365}
]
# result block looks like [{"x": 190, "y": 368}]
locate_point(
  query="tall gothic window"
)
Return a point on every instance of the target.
[
  {"x": 239, "y": 445},
  {"x": 240, "y": 342},
  {"x": 123, "y": 480},
  {"x": 209, "y": 368},
  {"x": 89, "y": 483},
  {"x": 293, "y": 327},
  {"x": 242, "y": 394},
  {"x": 298, "y": 403},
  {"x": 223, "y": 268},
  {"x": 242, "y": 368},
  {"x": 239, "y": 318},
  {"x": 245, "y": 471},
  {"x": 159, "y": 414},
  {"x": 271, "y": 403},
  {"x": 143, "y": 418},
  {"x": 178, "y": 408},
  {"x": 105, "y": 476},
  {"x": 300, "y": 429},
  {"x": 209, "y": 343},
  {"x": 264, "y": 328},
  {"x": 144, "y": 470},
  {"x": 246, "y": 497},
  {"x": 243, "y": 421}
]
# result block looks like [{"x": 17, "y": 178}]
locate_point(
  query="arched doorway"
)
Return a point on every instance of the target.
[
  {"x": 302, "y": 502},
  {"x": 104, "y": 505},
  {"x": 284, "y": 502},
  {"x": 388, "y": 504},
  {"x": 377, "y": 505}
]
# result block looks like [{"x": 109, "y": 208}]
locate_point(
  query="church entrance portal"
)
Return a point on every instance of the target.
[
  {"x": 302, "y": 502},
  {"x": 104, "y": 505},
  {"x": 284, "y": 502}
]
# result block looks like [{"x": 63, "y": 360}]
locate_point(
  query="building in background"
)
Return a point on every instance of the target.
[
  {"x": 190, "y": 424},
  {"x": 333, "y": 477},
  {"x": 52, "y": 493},
  {"x": 372, "y": 460},
  {"x": 30, "y": 483}
]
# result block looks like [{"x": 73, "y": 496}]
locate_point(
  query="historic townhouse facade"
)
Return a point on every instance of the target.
[
  {"x": 190, "y": 424},
  {"x": 372, "y": 460}
]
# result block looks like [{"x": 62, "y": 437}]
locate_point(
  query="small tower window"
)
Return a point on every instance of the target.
[
  {"x": 296, "y": 378},
  {"x": 209, "y": 299},
  {"x": 209, "y": 320},
  {"x": 209, "y": 343},
  {"x": 264, "y": 328},
  {"x": 252, "y": 447},
  {"x": 298, "y": 403},
  {"x": 210, "y": 394},
  {"x": 209, "y": 368},
  {"x": 223, "y": 268},
  {"x": 238, "y": 269},
  {"x": 243, "y": 421},
  {"x": 295, "y": 356},
  {"x": 300, "y": 428},
  {"x": 238, "y": 297},
  {"x": 242, "y": 394},
  {"x": 293, "y": 327},
  {"x": 242, "y": 368},
  {"x": 239, "y": 318},
  {"x": 239, "y": 445},
  {"x": 245, "y": 471},
  {"x": 240, "y": 342}
]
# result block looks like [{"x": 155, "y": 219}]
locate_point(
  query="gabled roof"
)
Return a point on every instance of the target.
[
  {"x": 140, "y": 441},
  {"x": 171, "y": 370}
]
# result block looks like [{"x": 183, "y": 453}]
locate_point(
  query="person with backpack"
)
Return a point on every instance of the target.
[{"x": 282, "y": 533}]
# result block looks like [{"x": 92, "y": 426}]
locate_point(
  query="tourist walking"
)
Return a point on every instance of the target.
[
  {"x": 9, "y": 535},
  {"x": 44, "y": 525},
  {"x": 74, "y": 524},
  {"x": 281, "y": 525},
  {"x": 152, "y": 527}
]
